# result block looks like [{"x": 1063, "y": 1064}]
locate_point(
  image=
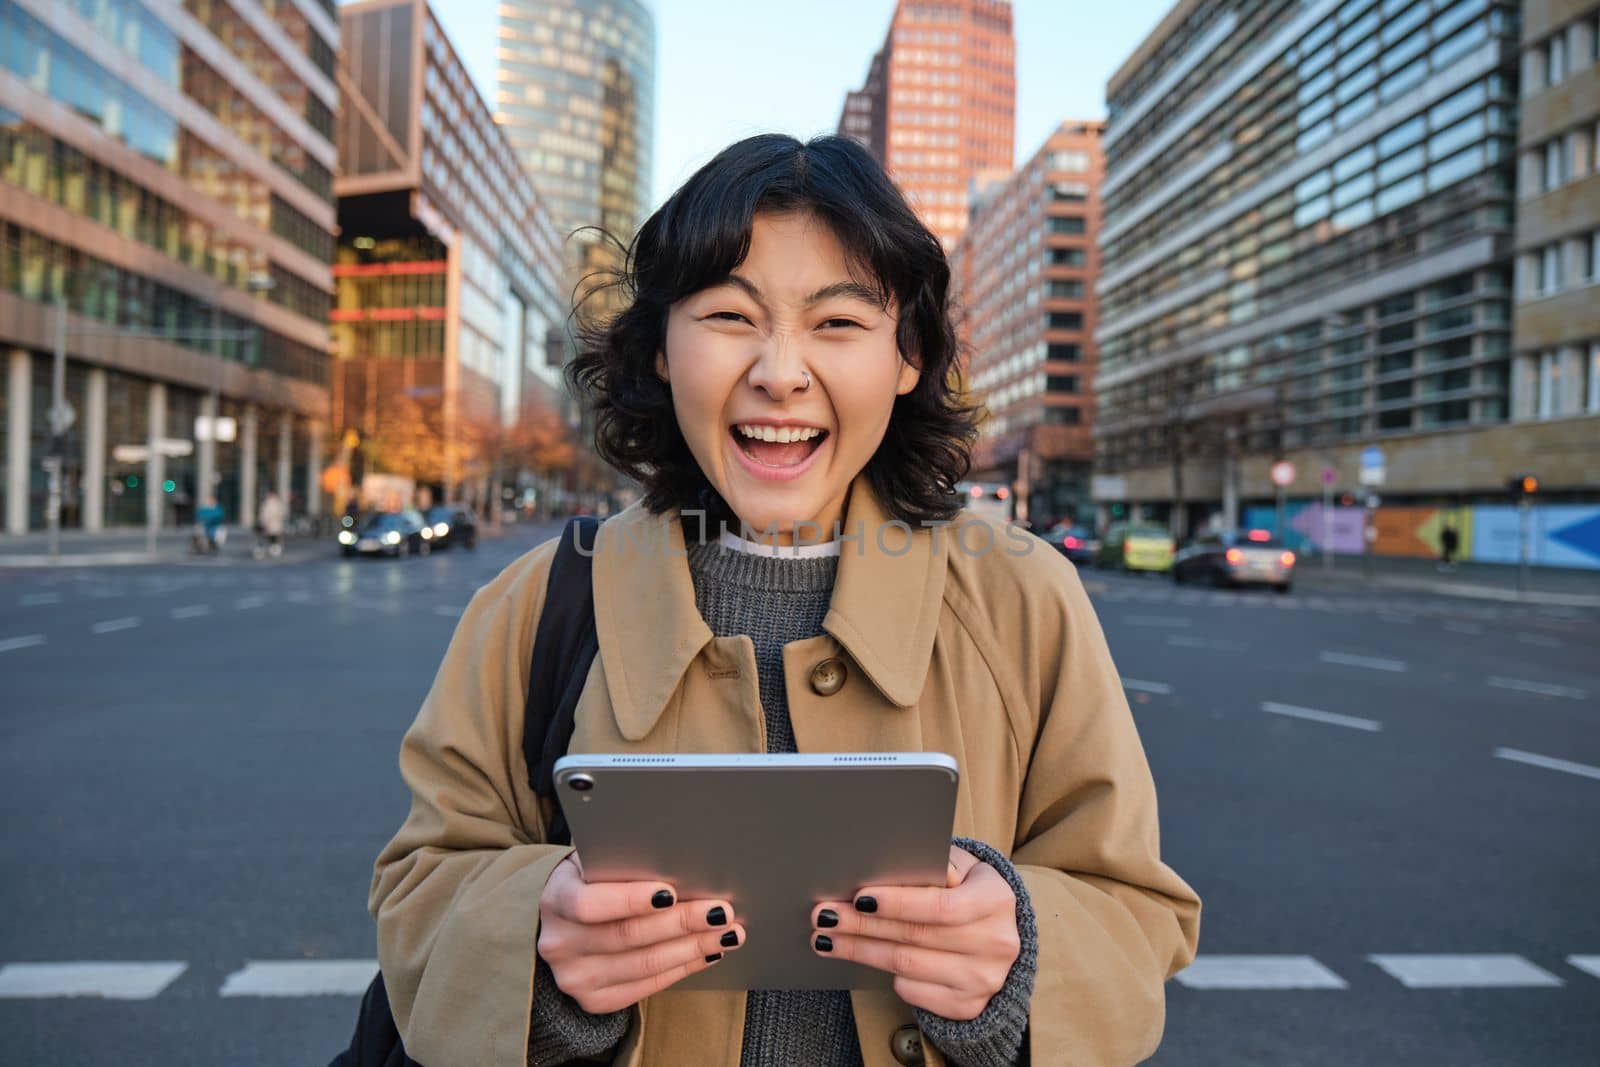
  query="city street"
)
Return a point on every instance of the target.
[{"x": 1387, "y": 800}]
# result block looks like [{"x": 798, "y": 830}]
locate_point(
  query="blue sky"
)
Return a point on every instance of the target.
[{"x": 729, "y": 68}]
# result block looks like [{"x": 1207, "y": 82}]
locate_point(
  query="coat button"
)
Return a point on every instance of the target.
[
  {"x": 827, "y": 677},
  {"x": 906, "y": 1044}
]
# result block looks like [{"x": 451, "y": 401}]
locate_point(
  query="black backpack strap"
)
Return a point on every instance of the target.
[{"x": 564, "y": 646}]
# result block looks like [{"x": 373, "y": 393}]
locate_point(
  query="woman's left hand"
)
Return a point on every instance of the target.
[{"x": 949, "y": 949}]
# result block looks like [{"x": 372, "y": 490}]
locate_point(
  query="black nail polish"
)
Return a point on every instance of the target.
[
  {"x": 824, "y": 943},
  {"x": 717, "y": 916},
  {"x": 714, "y": 959},
  {"x": 827, "y": 918},
  {"x": 867, "y": 904},
  {"x": 662, "y": 899},
  {"x": 730, "y": 940}
]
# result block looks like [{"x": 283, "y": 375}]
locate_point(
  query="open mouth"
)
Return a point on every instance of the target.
[{"x": 777, "y": 446}]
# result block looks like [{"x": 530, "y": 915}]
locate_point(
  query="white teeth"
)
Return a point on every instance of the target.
[{"x": 780, "y": 434}]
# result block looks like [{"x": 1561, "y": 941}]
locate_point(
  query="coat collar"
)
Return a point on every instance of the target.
[{"x": 884, "y": 611}]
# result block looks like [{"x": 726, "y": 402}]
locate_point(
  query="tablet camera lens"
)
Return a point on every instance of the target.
[{"x": 582, "y": 783}]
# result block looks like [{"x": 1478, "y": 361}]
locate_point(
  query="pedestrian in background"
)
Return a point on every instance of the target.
[
  {"x": 270, "y": 520},
  {"x": 1449, "y": 542},
  {"x": 784, "y": 362}
]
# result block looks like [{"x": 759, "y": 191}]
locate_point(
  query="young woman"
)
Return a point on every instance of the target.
[{"x": 785, "y": 364}]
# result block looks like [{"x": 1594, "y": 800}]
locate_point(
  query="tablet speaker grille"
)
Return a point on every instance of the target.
[
  {"x": 642, "y": 759},
  {"x": 864, "y": 759}
]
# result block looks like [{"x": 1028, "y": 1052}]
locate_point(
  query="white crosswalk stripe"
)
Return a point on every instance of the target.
[
  {"x": 300, "y": 978},
  {"x": 1259, "y": 972},
  {"x": 113, "y": 981},
  {"x": 1586, "y": 964},
  {"x": 1491, "y": 971}
]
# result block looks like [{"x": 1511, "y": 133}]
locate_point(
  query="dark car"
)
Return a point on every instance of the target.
[
  {"x": 1236, "y": 557},
  {"x": 387, "y": 533},
  {"x": 1074, "y": 542},
  {"x": 452, "y": 524}
]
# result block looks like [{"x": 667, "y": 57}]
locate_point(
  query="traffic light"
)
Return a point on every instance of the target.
[{"x": 1523, "y": 485}]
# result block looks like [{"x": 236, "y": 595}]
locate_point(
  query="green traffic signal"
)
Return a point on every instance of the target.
[
  {"x": 133, "y": 481},
  {"x": 168, "y": 486}
]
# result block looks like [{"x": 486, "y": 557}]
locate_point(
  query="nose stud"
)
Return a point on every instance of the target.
[{"x": 808, "y": 379}]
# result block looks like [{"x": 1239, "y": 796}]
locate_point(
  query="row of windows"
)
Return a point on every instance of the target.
[
  {"x": 37, "y": 268},
  {"x": 261, "y": 60},
  {"x": 32, "y": 160},
  {"x": 1559, "y": 383},
  {"x": 129, "y": 25},
  {"x": 1570, "y": 48},
  {"x": 1567, "y": 158},
  {"x": 1328, "y": 84},
  {"x": 1561, "y": 265}
]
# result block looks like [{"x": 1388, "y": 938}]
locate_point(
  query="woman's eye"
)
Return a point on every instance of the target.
[
  {"x": 727, "y": 316},
  {"x": 843, "y": 322}
]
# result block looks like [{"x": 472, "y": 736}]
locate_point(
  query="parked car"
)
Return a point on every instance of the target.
[
  {"x": 1136, "y": 546},
  {"x": 1236, "y": 557},
  {"x": 387, "y": 533},
  {"x": 1074, "y": 542},
  {"x": 452, "y": 524}
]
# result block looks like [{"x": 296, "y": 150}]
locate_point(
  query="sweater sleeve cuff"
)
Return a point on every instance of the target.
[
  {"x": 995, "y": 1037},
  {"x": 561, "y": 1031}
]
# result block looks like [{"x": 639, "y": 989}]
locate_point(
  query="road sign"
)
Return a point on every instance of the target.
[
  {"x": 62, "y": 416},
  {"x": 1282, "y": 473},
  {"x": 166, "y": 446},
  {"x": 1372, "y": 466}
]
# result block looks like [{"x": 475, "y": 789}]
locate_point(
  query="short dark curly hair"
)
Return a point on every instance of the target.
[{"x": 697, "y": 239}]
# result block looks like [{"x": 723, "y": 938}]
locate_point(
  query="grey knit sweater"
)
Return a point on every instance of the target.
[{"x": 777, "y": 601}]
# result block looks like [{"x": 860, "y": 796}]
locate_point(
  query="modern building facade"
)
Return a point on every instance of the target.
[
  {"x": 938, "y": 107},
  {"x": 1026, "y": 269},
  {"x": 576, "y": 97},
  {"x": 1307, "y": 256},
  {"x": 167, "y": 215},
  {"x": 1556, "y": 332},
  {"x": 449, "y": 319}
]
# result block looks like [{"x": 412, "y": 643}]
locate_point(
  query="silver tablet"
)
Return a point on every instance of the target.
[{"x": 773, "y": 834}]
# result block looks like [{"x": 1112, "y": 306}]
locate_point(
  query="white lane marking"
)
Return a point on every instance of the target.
[
  {"x": 1259, "y": 972},
  {"x": 1371, "y": 663},
  {"x": 1493, "y": 971},
  {"x": 1157, "y": 620},
  {"x": 1549, "y": 763},
  {"x": 1522, "y": 685},
  {"x": 11, "y": 644},
  {"x": 1587, "y": 964},
  {"x": 1159, "y": 688},
  {"x": 1328, "y": 717},
  {"x": 191, "y": 611},
  {"x": 29, "y": 600},
  {"x": 114, "y": 981},
  {"x": 1185, "y": 641},
  {"x": 245, "y": 603},
  {"x": 300, "y": 978},
  {"x": 111, "y": 626},
  {"x": 1463, "y": 627},
  {"x": 1540, "y": 640},
  {"x": 448, "y": 612}
]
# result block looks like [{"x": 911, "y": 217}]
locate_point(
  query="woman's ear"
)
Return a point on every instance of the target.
[
  {"x": 910, "y": 375},
  {"x": 661, "y": 365}
]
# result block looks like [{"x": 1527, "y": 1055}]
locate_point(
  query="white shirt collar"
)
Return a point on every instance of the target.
[{"x": 733, "y": 542}]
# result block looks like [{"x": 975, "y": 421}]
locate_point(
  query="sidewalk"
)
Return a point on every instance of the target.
[
  {"x": 124, "y": 547},
  {"x": 1557, "y": 586}
]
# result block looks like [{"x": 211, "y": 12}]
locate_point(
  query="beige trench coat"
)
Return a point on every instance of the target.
[{"x": 954, "y": 640}]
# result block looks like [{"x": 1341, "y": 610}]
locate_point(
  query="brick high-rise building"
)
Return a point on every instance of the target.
[
  {"x": 939, "y": 104},
  {"x": 1026, "y": 271}
]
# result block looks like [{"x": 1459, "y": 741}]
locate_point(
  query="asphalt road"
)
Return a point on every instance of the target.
[{"x": 197, "y": 767}]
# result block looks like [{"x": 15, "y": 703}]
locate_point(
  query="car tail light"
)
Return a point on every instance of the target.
[
  {"x": 1235, "y": 556},
  {"x": 1287, "y": 559},
  {"x": 1073, "y": 542}
]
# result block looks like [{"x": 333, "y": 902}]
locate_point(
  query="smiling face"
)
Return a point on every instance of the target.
[{"x": 736, "y": 359}]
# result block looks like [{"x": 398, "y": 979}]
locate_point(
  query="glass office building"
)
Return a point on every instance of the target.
[
  {"x": 166, "y": 209},
  {"x": 576, "y": 97},
  {"x": 1307, "y": 250},
  {"x": 451, "y": 294}
]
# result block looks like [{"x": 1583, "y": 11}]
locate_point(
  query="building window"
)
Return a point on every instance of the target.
[
  {"x": 1061, "y": 383},
  {"x": 1063, "y": 320},
  {"x": 1593, "y": 405},
  {"x": 1066, "y": 416},
  {"x": 1065, "y": 290},
  {"x": 1064, "y": 352},
  {"x": 1555, "y": 58},
  {"x": 1555, "y": 164},
  {"x": 1068, "y": 257},
  {"x": 1549, "y": 384},
  {"x": 1549, "y": 270}
]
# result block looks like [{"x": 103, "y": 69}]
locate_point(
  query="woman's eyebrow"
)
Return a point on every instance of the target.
[{"x": 853, "y": 290}]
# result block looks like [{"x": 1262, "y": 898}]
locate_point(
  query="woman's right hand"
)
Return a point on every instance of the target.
[{"x": 612, "y": 944}]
